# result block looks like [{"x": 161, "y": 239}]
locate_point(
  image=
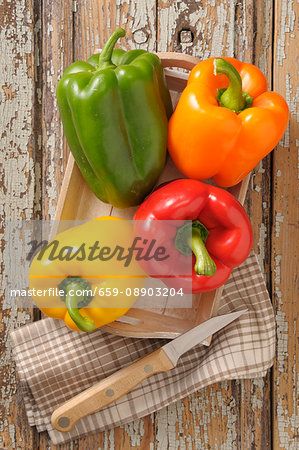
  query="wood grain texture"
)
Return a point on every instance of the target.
[
  {"x": 39, "y": 40},
  {"x": 231, "y": 29},
  {"x": 57, "y": 54},
  {"x": 285, "y": 236},
  {"x": 93, "y": 22},
  {"x": 19, "y": 190}
]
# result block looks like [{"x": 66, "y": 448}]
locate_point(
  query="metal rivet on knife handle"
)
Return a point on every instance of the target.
[
  {"x": 148, "y": 369},
  {"x": 63, "y": 422},
  {"x": 109, "y": 392}
]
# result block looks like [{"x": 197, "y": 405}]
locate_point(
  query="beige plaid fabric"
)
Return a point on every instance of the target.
[{"x": 55, "y": 363}]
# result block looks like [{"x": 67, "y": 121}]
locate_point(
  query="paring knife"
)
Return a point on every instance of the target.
[{"x": 123, "y": 381}]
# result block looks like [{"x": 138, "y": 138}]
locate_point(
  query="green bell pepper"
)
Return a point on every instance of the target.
[{"x": 114, "y": 110}]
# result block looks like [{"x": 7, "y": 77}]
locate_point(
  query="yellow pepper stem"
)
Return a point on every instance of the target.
[{"x": 71, "y": 286}]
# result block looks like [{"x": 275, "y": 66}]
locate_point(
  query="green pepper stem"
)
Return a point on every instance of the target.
[
  {"x": 204, "y": 264},
  {"x": 232, "y": 98},
  {"x": 71, "y": 301},
  {"x": 105, "y": 58}
]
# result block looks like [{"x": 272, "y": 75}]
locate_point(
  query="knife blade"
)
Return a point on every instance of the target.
[
  {"x": 180, "y": 345},
  {"x": 123, "y": 381}
]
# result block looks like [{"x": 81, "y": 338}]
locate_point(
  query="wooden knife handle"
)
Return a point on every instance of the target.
[{"x": 109, "y": 390}]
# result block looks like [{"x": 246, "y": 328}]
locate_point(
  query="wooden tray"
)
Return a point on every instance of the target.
[{"x": 77, "y": 202}]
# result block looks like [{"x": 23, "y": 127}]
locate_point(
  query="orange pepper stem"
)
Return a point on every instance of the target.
[
  {"x": 232, "y": 97},
  {"x": 106, "y": 54},
  {"x": 193, "y": 240}
]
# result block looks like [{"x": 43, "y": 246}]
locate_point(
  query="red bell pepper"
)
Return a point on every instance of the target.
[{"x": 221, "y": 235}]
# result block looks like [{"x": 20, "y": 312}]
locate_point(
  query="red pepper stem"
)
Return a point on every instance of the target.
[
  {"x": 191, "y": 237},
  {"x": 105, "y": 58},
  {"x": 204, "y": 264},
  {"x": 71, "y": 301},
  {"x": 232, "y": 97}
]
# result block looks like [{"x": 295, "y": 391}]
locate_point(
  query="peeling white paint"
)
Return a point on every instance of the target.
[
  {"x": 282, "y": 341},
  {"x": 141, "y": 15},
  {"x": 13, "y": 319},
  {"x": 277, "y": 278},
  {"x": 279, "y": 218},
  {"x": 201, "y": 20},
  {"x": 241, "y": 36},
  {"x": 167, "y": 418},
  {"x": 135, "y": 430},
  {"x": 266, "y": 38},
  {"x": 17, "y": 195},
  {"x": 228, "y": 410},
  {"x": 53, "y": 141},
  {"x": 262, "y": 245},
  {"x": 257, "y": 385},
  {"x": 217, "y": 41},
  {"x": 198, "y": 404},
  {"x": 230, "y": 40},
  {"x": 108, "y": 440},
  {"x": 287, "y": 25},
  {"x": 260, "y": 168},
  {"x": 12, "y": 434},
  {"x": 292, "y": 99}
]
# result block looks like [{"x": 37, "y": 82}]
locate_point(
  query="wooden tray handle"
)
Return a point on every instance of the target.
[{"x": 179, "y": 60}]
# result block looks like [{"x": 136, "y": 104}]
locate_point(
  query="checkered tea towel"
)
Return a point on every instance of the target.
[{"x": 55, "y": 363}]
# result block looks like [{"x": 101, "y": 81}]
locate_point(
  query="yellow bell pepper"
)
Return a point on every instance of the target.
[{"x": 74, "y": 278}]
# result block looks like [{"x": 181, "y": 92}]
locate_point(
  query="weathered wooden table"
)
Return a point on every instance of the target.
[{"x": 38, "y": 40}]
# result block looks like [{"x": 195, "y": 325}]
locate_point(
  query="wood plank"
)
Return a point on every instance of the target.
[
  {"x": 226, "y": 415},
  {"x": 137, "y": 435},
  {"x": 57, "y": 54},
  {"x": 256, "y": 46},
  {"x": 241, "y": 29},
  {"x": 20, "y": 162},
  {"x": 93, "y": 23},
  {"x": 210, "y": 418},
  {"x": 56, "y": 20},
  {"x": 285, "y": 236}
]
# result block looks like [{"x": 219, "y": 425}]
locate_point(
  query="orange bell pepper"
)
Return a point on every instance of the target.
[{"x": 225, "y": 121}]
